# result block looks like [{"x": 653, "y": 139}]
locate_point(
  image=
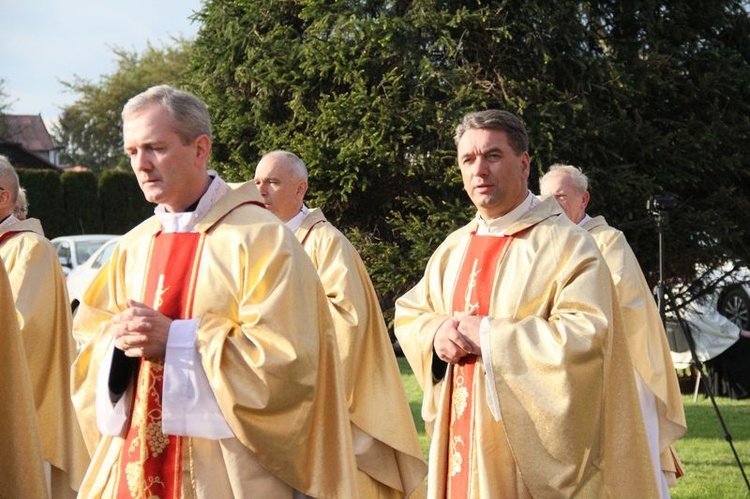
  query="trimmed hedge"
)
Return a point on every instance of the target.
[
  {"x": 81, "y": 195},
  {"x": 79, "y": 203},
  {"x": 45, "y": 196},
  {"x": 122, "y": 203}
]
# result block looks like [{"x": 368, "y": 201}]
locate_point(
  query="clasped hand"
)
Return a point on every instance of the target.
[
  {"x": 458, "y": 336},
  {"x": 141, "y": 331}
]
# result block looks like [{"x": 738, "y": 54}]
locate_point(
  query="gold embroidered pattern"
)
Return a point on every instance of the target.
[
  {"x": 151, "y": 442},
  {"x": 157, "y": 441},
  {"x": 469, "y": 295},
  {"x": 159, "y": 294},
  {"x": 151, "y": 462},
  {"x": 134, "y": 474},
  {"x": 456, "y": 460},
  {"x": 460, "y": 397}
]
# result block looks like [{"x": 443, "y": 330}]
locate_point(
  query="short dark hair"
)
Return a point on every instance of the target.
[{"x": 495, "y": 119}]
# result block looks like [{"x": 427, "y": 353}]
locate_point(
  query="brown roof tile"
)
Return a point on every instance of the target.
[{"x": 27, "y": 130}]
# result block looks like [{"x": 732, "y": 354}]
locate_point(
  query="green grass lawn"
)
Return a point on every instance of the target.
[{"x": 711, "y": 471}]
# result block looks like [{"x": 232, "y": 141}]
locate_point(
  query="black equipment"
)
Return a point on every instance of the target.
[{"x": 659, "y": 207}]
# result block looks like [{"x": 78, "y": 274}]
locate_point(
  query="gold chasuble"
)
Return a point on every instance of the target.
[
  {"x": 151, "y": 461},
  {"x": 42, "y": 310},
  {"x": 473, "y": 291},
  {"x": 390, "y": 461},
  {"x": 22, "y": 474},
  {"x": 273, "y": 369},
  {"x": 645, "y": 335},
  {"x": 547, "y": 410}
]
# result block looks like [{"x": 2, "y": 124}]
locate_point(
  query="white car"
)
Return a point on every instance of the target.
[
  {"x": 74, "y": 250},
  {"x": 731, "y": 297},
  {"x": 734, "y": 300},
  {"x": 80, "y": 277}
]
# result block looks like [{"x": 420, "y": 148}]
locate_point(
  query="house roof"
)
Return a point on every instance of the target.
[
  {"x": 22, "y": 158},
  {"x": 27, "y": 130}
]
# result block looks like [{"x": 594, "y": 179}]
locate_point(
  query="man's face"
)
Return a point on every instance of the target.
[
  {"x": 571, "y": 200},
  {"x": 494, "y": 176},
  {"x": 281, "y": 187},
  {"x": 6, "y": 198},
  {"x": 19, "y": 211},
  {"x": 167, "y": 170}
]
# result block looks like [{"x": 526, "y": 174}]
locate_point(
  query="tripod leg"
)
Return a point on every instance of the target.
[
  {"x": 698, "y": 365},
  {"x": 698, "y": 376}
]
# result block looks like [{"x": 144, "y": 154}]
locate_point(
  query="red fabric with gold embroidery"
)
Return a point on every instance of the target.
[
  {"x": 473, "y": 288},
  {"x": 151, "y": 461}
]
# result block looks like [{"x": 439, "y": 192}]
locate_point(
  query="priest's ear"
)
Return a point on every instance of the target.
[
  {"x": 301, "y": 190},
  {"x": 203, "y": 148},
  {"x": 585, "y": 198},
  {"x": 6, "y": 197}
]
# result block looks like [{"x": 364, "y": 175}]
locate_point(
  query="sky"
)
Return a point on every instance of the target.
[{"x": 45, "y": 41}]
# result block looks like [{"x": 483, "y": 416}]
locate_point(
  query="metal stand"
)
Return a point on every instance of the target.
[{"x": 665, "y": 293}]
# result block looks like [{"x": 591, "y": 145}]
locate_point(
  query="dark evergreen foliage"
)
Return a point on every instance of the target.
[
  {"x": 80, "y": 203},
  {"x": 81, "y": 196},
  {"x": 122, "y": 203},
  {"x": 45, "y": 196},
  {"x": 648, "y": 97}
]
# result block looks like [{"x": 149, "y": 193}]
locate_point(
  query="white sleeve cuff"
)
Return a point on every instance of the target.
[
  {"x": 493, "y": 401},
  {"x": 110, "y": 418},
  {"x": 189, "y": 406}
]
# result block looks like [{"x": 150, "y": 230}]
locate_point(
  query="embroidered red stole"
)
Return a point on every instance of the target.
[
  {"x": 473, "y": 289},
  {"x": 151, "y": 462}
]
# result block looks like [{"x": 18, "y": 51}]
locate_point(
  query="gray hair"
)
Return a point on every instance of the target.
[
  {"x": 8, "y": 174},
  {"x": 580, "y": 180},
  {"x": 495, "y": 119},
  {"x": 188, "y": 113},
  {"x": 293, "y": 160},
  {"x": 22, "y": 203}
]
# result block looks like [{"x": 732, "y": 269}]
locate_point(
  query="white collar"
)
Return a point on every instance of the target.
[
  {"x": 295, "y": 222},
  {"x": 11, "y": 220},
  {"x": 498, "y": 226},
  {"x": 185, "y": 221}
]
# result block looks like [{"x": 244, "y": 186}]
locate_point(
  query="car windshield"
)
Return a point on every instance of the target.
[
  {"x": 102, "y": 258},
  {"x": 84, "y": 249}
]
